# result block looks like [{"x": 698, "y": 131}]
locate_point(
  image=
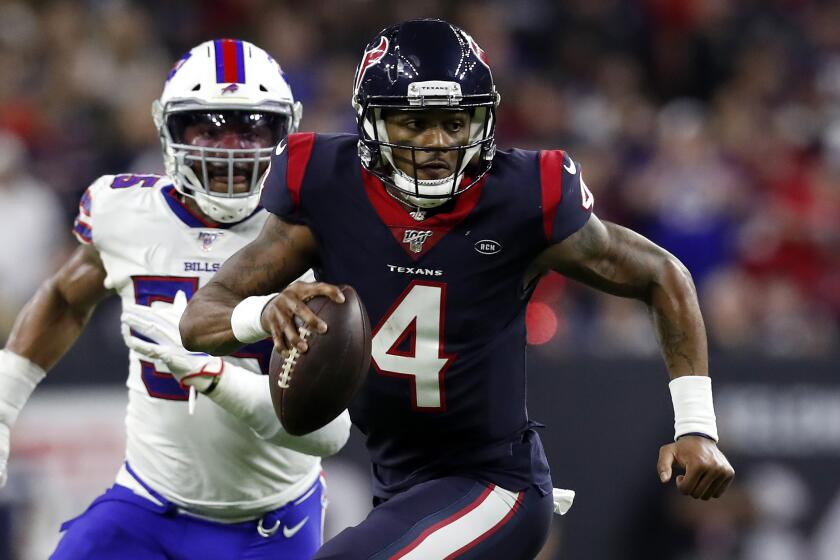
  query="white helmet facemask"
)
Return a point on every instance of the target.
[{"x": 223, "y": 82}]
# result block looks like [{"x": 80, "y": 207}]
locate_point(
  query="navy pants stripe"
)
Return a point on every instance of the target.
[{"x": 451, "y": 517}]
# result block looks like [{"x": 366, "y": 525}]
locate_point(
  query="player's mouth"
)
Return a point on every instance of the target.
[
  {"x": 219, "y": 177},
  {"x": 434, "y": 169}
]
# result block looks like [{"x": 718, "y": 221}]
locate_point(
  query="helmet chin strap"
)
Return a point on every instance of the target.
[
  {"x": 226, "y": 210},
  {"x": 405, "y": 184}
]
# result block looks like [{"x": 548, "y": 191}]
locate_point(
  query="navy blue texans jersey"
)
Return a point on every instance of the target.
[{"x": 446, "y": 295}]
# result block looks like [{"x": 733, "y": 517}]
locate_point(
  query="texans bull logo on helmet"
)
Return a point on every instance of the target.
[
  {"x": 478, "y": 51},
  {"x": 370, "y": 58}
]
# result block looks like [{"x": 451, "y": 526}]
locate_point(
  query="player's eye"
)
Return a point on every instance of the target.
[
  {"x": 205, "y": 133},
  {"x": 454, "y": 125},
  {"x": 414, "y": 124}
]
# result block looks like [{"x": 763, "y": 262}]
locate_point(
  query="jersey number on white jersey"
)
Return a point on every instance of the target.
[
  {"x": 161, "y": 384},
  {"x": 148, "y": 289}
]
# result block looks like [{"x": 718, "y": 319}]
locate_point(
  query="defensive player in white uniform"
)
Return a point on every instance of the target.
[{"x": 218, "y": 478}]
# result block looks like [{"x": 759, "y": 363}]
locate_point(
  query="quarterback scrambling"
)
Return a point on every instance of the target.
[
  {"x": 444, "y": 238},
  {"x": 218, "y": 478}
]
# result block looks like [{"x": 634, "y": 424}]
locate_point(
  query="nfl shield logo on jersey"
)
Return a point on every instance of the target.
[
  {"x": 415, "y": 239},
  {"x": 208, "y": 238}
]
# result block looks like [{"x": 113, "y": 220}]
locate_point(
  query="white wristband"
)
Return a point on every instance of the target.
[
  {"x": 18, "y": 378},
  {"x": 245, "y": 319},
  {"x": 694, "y": 411}
]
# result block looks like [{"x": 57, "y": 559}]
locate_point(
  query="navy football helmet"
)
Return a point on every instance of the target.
[{"x": 417, "y": 65}]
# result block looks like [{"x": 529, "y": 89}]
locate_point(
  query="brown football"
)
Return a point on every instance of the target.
[{"x": 311, "y": 389}]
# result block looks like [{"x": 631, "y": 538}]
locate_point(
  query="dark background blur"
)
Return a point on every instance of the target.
[{"x": 710, "y": 126}]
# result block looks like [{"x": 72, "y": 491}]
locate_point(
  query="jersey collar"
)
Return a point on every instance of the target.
[
  {"x": 403, "y": 225},
  {"x": 190, "y": 217}
]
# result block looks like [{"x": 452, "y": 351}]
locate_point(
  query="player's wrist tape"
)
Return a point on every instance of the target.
[
  {"x": 18, "y": 378},
  {"x": 694, "y": 411},
  {"x": 245, "y": 319}
]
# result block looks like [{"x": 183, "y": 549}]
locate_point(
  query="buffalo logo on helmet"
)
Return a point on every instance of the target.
[
  {"x": 230, "y": 88},
  {"x": 371, "y": 58}
]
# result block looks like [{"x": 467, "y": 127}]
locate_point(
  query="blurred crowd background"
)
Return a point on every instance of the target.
[{"x": 710, "y": 126}]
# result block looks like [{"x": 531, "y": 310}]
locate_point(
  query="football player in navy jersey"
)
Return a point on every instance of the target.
[{"x": 444, "y": 239}]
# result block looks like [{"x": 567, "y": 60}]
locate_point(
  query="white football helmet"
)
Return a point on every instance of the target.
[{"x": 218, "y": 82}]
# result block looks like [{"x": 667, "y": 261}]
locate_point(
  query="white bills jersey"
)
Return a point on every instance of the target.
[{"x": 152, "y": 246}]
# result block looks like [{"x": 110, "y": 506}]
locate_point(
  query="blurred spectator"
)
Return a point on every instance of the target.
[
  {"x": 32, "y": 229},
  {"x": 687, "y": 198},
  {"x": 738, "y": 172}
]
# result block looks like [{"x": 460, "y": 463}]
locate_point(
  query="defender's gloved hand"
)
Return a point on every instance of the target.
[{"x": 153, "y": 334}]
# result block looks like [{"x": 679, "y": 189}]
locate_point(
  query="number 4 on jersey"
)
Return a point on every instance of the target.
[{"x": 409, "y": 343}]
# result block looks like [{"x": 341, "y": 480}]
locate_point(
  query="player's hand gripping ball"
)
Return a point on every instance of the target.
[{"x": 309, "y": 389}]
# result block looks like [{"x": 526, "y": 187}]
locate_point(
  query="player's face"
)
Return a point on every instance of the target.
[
  {"x": 218, "y": 132},
  {"x": 430, "y": 129}
]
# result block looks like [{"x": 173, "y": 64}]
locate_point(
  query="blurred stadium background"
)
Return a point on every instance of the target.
[{"x": 710, "y": 126}]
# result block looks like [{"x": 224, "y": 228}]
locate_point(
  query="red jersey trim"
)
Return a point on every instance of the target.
[
  {"x": 398, "y": 219},
  {"x": 300, "y": 150},
  {"x": 551, "y": 185}
]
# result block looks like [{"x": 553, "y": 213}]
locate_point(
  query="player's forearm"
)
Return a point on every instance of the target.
[
  {"x": 205, "y": 325},
  {"x": 678, "y": 322},
  {"x": 47, "y": 326},
  {"x": 281, "y": 253}
]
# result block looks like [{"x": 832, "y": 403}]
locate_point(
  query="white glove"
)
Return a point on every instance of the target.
[
  {"x": 195, "y": 370},
  {"x": 18, "y": 378}
]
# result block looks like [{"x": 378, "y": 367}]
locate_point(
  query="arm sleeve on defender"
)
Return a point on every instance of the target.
[
  {"x": 283, "y": 181},
  {"x": 247, "y": 396},
  {"x": 322, "y": 443},
  {"x": 567, "y": 202}
]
